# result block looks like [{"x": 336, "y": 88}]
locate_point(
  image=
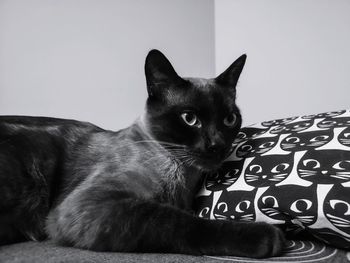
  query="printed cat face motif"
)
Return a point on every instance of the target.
[
  {"x": 297, "y": 203},
  {"x": 344, "y": 137},
  {"x": 248, "y": 133},
  {"x": 225, "y": 176},
  {"x": 256, "y": 147},
  {"x": 292, "y": 127},
  {"x": 306, "y": 141},
  {"x": 324, "y": 115},
  {"x": 278, "y": 122},
  {"x": 235, "y": 205},
  {"x": 268, "y": 170},
  {"x": 337, "y": 207},
  {"x": 334, "y": 122},
  {"x": 199, "y": 116},
  {"x": 203, "y": 205},
  {"x": 325, "y": 166}
]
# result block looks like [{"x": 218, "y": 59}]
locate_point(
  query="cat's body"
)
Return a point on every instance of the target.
[{"x": 130, "y": 190}]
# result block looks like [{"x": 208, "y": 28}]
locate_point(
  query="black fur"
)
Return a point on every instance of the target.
[{"x": 131, "y": 190}]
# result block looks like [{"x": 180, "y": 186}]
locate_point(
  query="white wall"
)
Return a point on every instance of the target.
[
  {"x": 298, "y": 54},
  {"x": 84, "y": 59}
]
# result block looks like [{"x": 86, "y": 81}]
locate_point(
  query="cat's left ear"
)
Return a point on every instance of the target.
[{"x": 231, "y": 75}]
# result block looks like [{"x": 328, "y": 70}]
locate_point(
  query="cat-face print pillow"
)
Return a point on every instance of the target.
[{"x": 293, "y": 172}]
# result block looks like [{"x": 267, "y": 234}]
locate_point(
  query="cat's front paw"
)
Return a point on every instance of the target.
[{"x": 269, "y": 240}]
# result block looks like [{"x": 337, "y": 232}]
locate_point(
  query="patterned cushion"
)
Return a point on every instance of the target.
[{"x": 293, "y": 171}]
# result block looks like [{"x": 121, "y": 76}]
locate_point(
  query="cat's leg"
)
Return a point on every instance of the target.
[
  {"x": 105, "y": 221},
  {"x": 10, "y": 189},
  {"x": 22, "y": 201}
]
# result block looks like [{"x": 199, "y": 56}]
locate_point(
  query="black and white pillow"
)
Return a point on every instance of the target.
[{"x": 293, "y": 171}]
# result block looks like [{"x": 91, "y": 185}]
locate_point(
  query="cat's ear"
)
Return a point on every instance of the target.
[
  {"x": 160, "y": 74},
  {"x": 231, "y": 75}
]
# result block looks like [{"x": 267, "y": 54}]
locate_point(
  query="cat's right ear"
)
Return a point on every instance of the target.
[{"x": 160, "y": 74}]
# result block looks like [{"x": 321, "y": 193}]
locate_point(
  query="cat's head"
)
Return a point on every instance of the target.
[
  {"x": 198, "y": 116},
  {"x": 226, "y": 176},
  {"x": 235, "y": 205},
  {"x": 306, "y": 141},
  {"x": 268, "y": 170},
  {"x": 292, "y": 203},
  {"x": 325, "y": 166}
]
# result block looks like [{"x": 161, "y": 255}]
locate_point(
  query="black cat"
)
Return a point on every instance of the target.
[
  {"x": 256, "y": 147},
  {"x": 131, "y": 190},
  {"x": 249, "y": 133},
  {"x": 307, "y": 140},
  {"x": 235, "y": 205},
  {"x": 203, "y": 204},
  {"x": 297, "y": 203},
  {"x": 278, "y": 122},
  {"x": 225, "y": 176},
  {"x": 334, "y": 122},
  {"x": 268, "y": 170},
  {"x": 292, "y": 127},
  {"x": 324, "y": 115},
  {"x": 325, "y": 166},
  {"x": 344, "y": 137},
  {"x": 336, "y": 207}
]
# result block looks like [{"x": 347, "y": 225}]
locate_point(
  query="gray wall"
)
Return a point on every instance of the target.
[
  {"x": 298, "y": 54},
  {"x": 84, "y": 59}
]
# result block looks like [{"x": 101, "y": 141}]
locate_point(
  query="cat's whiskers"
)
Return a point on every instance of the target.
[
  {"x": 270, "y": 211},
  {"x": 317, "y": 143},
  {"x": 247, "y": 215},
  {"x": 338, "y": 221},
  {"x": 342, "y": 177},
  {"x": 307, "y": 171},
  {"x": 220, "y": 217}
]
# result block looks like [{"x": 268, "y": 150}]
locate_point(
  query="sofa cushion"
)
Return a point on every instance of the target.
[{"x": 293, "y": 172}]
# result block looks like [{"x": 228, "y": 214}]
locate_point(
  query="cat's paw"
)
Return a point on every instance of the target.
[{"x": 269, "y": 240}]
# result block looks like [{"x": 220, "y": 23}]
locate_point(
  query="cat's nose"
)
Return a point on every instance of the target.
[{"x": 214, "y": 147}]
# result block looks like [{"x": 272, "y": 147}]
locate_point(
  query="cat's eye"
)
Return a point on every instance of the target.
[
  {"x": 334, "y": 202},
  {"x": 311, "y": 163},
  {"x": 242, "y": 206},
  {"x": 246, "y": 148},
  {"x": 328, "y": 123},
  {"x": 224, "y": 205},
  {"x": 293, "y": 140},
  {"x": 241, "y": 135},
  {"x": 191, "y": 119},
  {"x": 279, "y": 128},
  {"x": 280, "y": 168},
  {"x": 319, "y": 138},
  {"x": 301, "y": 205},
  {"x": 234, "y": 172},
  {"x": 266, "y": 145},
  {"x": 300, "y": 125},
  {"x": 347, "y": 135},
  {"x": 270, "y": 201},
  {"x": 204, "y": 212},
  {"x": 256, "y": 168},
  {"x": 342, "y": 165},
  {"x": 230, "y": 120}
]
